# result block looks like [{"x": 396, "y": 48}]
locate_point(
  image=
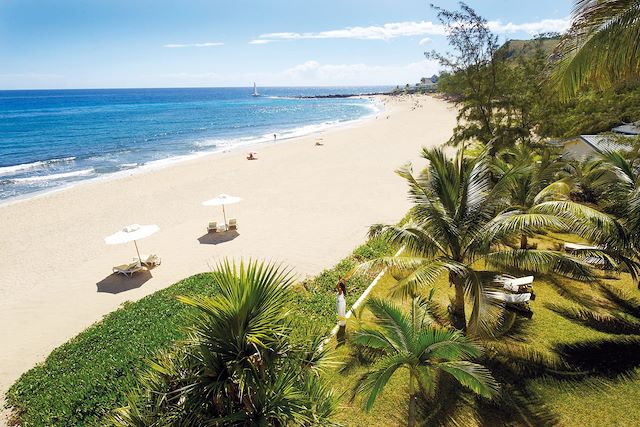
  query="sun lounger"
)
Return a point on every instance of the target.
[
  {"x": 513, "y": 298},
  {"x": 152, "y": 260},
  {"x": 595, "y": 261},
  {"x": 233, "y": 224},
  {"x": 128, "y": 269},
  {"x": 517, "y": 303},
  {"x": 514, "y": 284},
  {"x": 213, "y": 226},
  {"x": 571, "y": 247}
]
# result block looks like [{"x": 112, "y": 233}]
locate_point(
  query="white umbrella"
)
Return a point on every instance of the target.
[
  {"x": 130, "y": 233},
  {"x": 222, "y": 200}
]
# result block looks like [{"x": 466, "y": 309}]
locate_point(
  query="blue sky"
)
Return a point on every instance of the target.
[{"x": 157, "y": 43}]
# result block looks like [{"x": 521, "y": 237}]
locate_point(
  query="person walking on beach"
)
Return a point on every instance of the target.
[
  {"x": 274, "y": 136},
  {"x": 341, "y": 306}
]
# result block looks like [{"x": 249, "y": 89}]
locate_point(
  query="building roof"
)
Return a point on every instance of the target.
[
  {"x": 602, "y": 143},
  {"x": 628, "y": 129}
]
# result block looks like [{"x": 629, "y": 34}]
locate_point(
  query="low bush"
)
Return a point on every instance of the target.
[{"x": 86, "y": 377}]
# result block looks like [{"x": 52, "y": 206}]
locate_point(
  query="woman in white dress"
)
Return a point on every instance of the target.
[
  {"x": 341, "y": 306},
  {"x": 341, "y": 303}
]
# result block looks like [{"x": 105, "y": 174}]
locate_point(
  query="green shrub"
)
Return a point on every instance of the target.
[
  {"x": 86, "y": 377},
  {"x": 375, "y": 248}
]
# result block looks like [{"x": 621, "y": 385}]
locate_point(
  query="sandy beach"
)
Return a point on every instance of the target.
[{"x": 305, "y": 205}]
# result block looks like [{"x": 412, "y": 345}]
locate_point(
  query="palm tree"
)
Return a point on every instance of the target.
[
  {"x": 601, "y": 47},
  {"x": 239, "y": 364},
  {"x": 427, "y": 352},
  {"x": 531, "y": 179},
  {"x": 461, "y": 224}
]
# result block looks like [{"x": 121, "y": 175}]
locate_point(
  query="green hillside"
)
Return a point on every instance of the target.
[{"x": 517, "y": 48}]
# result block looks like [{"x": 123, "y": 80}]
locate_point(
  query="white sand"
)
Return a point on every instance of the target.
[{"x": 304, "y": 205}]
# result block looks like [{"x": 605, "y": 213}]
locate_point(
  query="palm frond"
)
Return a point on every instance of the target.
[
  {"x": 372, "y": 383},
  {"x": 393, "y": 323},
  {"x": 475, "y": 377},
  {"x": 600, "y": 47},
  {"x": 540, "y": 261}
]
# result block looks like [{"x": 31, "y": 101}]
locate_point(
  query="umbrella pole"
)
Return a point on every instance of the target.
[
  {"x": 224, "y": 214},
  {"x": 138, "y": 252}
]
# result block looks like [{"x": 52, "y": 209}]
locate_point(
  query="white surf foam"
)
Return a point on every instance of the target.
[
  {"x": 53, "y": 177},
  {"x": 9, "y": 170}
]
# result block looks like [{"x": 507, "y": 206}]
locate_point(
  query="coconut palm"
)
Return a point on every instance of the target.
[
  {"x": 239, "y": 365},
  {"x": 601, "y": 47},
  {"x": 461, "y": 225},
  {"x": 617, "y": 180},
  {"x": 409, "y": 342},
  {"x": 532, "y": 178}
]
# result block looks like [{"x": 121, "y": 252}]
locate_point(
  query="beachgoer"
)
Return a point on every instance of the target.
[
  {"x": 274, "y": 136},
  {"x": 251, "y": 156}
]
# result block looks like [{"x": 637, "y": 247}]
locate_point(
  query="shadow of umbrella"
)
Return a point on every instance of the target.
[
  {"x": 217, "y": 238},
  {"x": 117, "y": 283}
]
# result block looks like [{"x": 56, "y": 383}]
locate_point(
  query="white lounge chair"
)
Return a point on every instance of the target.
[
  {"x": 221, "y": 228},
  {"x": 128, "y": 269},
  {"x": 595, "y": 261},
  {"x": 152, "y": 260},
  {"x": 233, "y": 224},
  {"x": 213, "y": 226},
  {"x": 513, "y": 298},
  {"x": 514, "y": 284},
  {"x": 516, "y": 303},
  {"x": 571, "y": 247}
]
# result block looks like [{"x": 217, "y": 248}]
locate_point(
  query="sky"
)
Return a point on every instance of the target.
[{"x": 203, "y": 43}]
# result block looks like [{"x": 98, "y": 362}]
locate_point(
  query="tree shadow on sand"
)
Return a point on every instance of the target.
[
  {"x": 217, "y": 238},
  {"x": 117, "y": 283}
]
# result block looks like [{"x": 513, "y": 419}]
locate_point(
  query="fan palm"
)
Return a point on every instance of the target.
[
  {"x": 462, "y": 221},
  {"x": 427, "y": 352},
  {"x": 601, "y": 47},
  {"x": 239, "y": 364}
]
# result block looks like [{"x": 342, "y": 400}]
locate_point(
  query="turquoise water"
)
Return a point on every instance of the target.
[{"x": 52, "y": 138}]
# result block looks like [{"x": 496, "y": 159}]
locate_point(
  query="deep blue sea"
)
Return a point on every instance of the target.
[{"x": 52, "y": 138}]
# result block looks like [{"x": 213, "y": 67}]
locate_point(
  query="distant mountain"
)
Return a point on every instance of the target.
[{"x": 518, "y": 48}]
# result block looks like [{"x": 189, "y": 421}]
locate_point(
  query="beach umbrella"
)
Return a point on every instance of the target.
[
  {"x": 222, "y": 200},
  {"x": 130, "y": 233}
]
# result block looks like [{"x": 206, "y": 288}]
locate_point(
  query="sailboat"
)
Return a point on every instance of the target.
[{"x": 255, "y": 91}]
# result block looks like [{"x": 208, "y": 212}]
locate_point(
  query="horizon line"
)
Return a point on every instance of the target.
[{"x": 201, "y": 87}]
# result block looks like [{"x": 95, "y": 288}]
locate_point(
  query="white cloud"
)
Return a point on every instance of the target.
[
  {"x": 179, "y": 45},
  {"x": 260, "y": 41},
  {"x": 384, "y": 32},
  {"x": 411, "y": 28},
  {"x": 544, "y": 26},
  {"x": 314, "y": 73},
  {"x": 424, "y": 41}
]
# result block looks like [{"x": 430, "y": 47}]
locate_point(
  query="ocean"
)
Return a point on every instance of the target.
[{"x": 55, "y": 138}]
